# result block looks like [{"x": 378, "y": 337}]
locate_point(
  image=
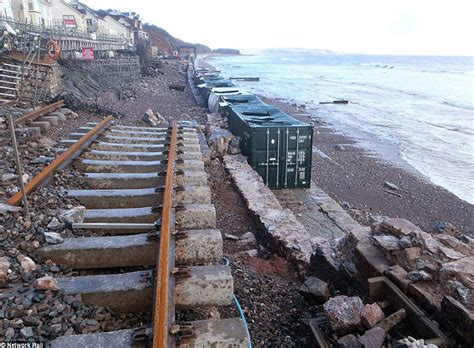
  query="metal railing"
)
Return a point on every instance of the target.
[{"x": 58, "y": 30}]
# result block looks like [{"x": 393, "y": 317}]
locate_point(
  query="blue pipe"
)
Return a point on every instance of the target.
[{"x": 241, "y": 312}]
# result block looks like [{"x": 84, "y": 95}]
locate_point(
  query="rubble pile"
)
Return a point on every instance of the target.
[
  {"x": 154, "y": 119},
  {"x": 373, "y": 325},
  {"x": 221, "y": 141},
  {"x": 436, "y": 270}
]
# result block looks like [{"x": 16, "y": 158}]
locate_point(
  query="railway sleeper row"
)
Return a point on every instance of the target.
[{"x": 123, "y": 173}]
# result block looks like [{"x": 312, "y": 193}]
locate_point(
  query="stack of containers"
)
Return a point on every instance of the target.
[{"x": 277, "y": 146}]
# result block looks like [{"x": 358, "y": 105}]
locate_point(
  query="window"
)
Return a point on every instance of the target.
[
  {"x": 34, "y": 6},
  {"x": 89, "y": 22}
]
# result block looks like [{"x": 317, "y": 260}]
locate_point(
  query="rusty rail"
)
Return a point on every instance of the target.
[
  {"x": 161, "y": 309},
  {"x": 40, "y": 112},
  {"x": 56, "y": 164}
]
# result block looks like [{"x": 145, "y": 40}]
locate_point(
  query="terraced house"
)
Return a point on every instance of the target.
[{"x": 37, "y": 12}]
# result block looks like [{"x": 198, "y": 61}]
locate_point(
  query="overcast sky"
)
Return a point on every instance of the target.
[{"x": 436, "y": 27}]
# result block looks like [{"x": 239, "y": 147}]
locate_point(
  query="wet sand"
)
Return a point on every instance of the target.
[{"x": 355, "y": 178}]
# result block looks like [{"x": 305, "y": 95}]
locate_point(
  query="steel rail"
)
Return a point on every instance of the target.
[
  {"x": 40, "y": 112},
  {"x": 161, "y": 309},
  {"x": 56, "y": 164}
]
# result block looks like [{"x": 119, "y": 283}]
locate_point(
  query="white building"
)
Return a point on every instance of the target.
[
  {"x": 6, "y": 8},
  {"x": 32, "y": 11},
  {"x": 66, "y": 15}
]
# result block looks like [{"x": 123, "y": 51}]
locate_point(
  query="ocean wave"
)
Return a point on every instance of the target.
[
  {"x": 445, "y": 72},
  {"x": 413, "y": 94},
  {"x": 378, "y": 65},
  {"x": 459, "y": 106}
]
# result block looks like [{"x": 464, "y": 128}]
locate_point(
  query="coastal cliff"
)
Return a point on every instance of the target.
[
  {"x": 228, "y": 51},
  {"x": 167, "y": 43}
]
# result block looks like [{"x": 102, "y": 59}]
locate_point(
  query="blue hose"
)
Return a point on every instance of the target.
[{"x": 241, "y": 312}]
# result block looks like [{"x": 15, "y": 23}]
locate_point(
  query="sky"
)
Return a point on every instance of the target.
[{"x": 406, "y": 27}]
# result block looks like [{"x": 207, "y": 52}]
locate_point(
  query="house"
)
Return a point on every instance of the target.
[
  {"x": 37, "y": 12},
  {"x": 65, "y": 15},
  {"x": 113, "y": 26},
  {"x": 134, "y": 25},
  {"x": 128, "y": 24},
  {"x": 6, "y": 10},
  {"x": 94, "y": 23}
]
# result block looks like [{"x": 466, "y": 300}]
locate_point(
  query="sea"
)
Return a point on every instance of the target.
[{"x": 413, "y": 111}]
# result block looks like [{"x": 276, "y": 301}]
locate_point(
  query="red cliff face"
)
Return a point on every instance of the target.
[{"x": 166, "y": 43}]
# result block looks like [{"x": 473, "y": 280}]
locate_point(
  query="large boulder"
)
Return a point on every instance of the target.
[
  {"x": 344, "y": 313},
  {"x": 218, "y": 141}
]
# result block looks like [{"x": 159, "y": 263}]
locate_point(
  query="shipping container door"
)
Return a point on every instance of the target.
[
  {"x": 296, "y": 157},
  {"x": 303, "y": 162},
  {"x": 266, "y": 153}
]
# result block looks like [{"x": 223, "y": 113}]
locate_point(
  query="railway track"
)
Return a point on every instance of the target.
[{"x": 158, "y": 249}]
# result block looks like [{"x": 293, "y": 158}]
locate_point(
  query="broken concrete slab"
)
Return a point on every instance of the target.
[
  {"x": 282, "y": 230},
  {"x": 400, "y": 227}
]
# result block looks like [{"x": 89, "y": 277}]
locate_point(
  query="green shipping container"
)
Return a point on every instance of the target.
[
  {"x": 278, "y": 146},
  {"x": 205, "y": 88},
  {"x": 241, "y": 99}
]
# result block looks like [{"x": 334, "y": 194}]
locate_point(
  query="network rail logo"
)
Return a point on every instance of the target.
[{"x": 22, "y": 345}]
